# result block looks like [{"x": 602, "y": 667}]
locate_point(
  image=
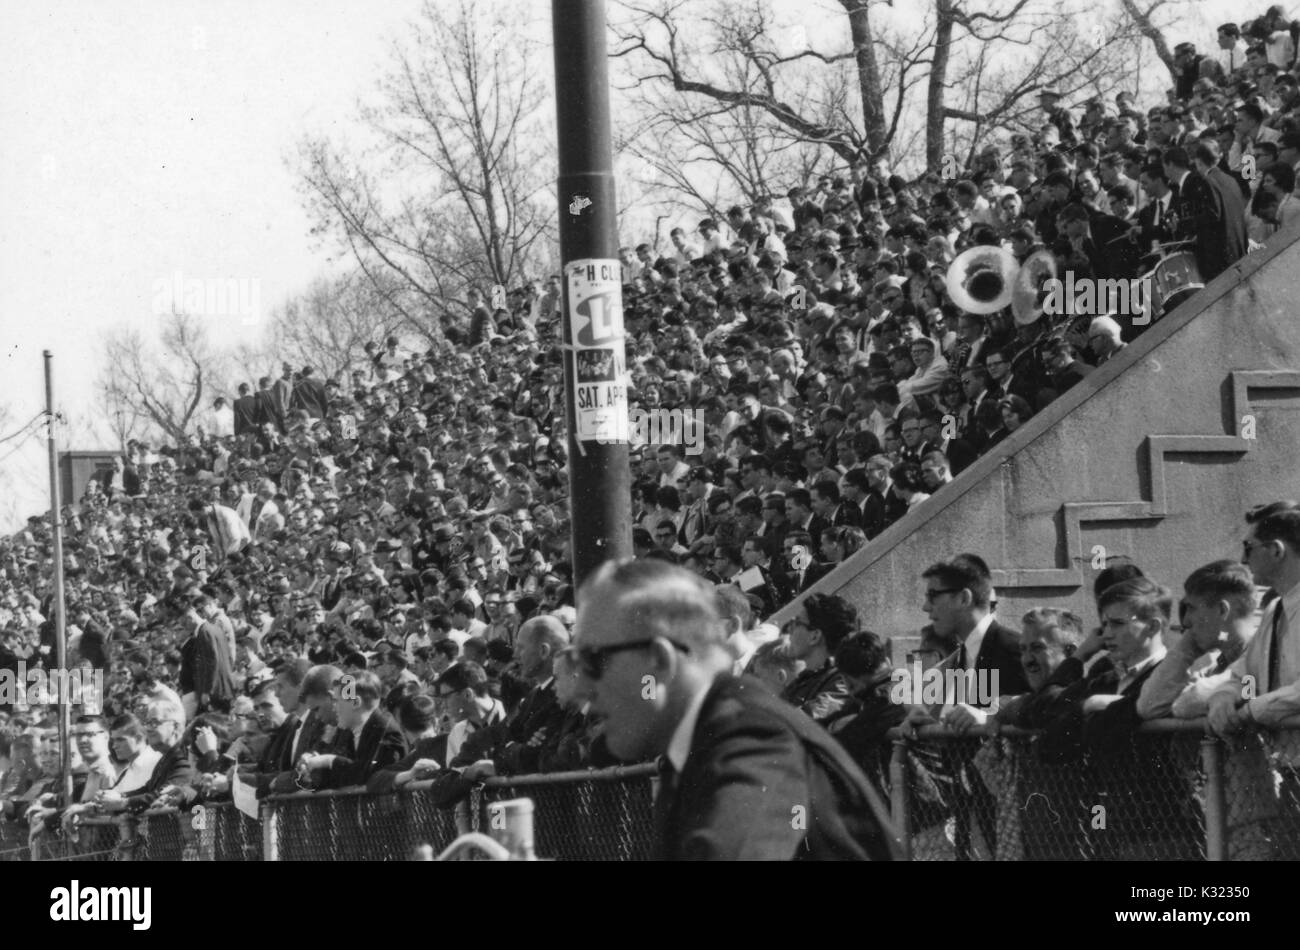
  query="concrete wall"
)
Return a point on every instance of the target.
[{"x": 1145, "y": 458}]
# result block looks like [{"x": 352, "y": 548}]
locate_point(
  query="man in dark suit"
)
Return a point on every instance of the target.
[
  {"x": 743, "y": 774},
  {"x": 831, "y": 510},
  {"x": 311, "y": 727},
  {"x": 792, "y": 567},
  {"x": 1219, "y": 214},
  {"x": 1067, "y": 369},
  {"x": 369, "y": 738},
  {"x": 309, "y": 394},
  {"x": 871, "y": 503},
  {"x": 1155, "y": 218},
  {"x": 269, "y": 406},
  {"x": 958, "y": 600},
  {"x": 1004, "y": 380},
  {"x": 207, "y": 678},
  {"x": 246, "y": 411},
  {"x": 277, "y": 754},
  {"x": 531, "y": 732}
]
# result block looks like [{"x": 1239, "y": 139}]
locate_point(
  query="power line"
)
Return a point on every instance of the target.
[
  {"x": 20, "y": 431},
  {"x": 30, "y": 429}
]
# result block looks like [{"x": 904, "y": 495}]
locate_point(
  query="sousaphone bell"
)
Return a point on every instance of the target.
[
  {"x": 1028, "y": 293},
  {"x": 980, "y": 279}
]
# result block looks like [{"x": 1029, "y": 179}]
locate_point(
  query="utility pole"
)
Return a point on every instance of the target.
[
  {"x": 60, "y": 680},
  {"x": 595, "y": 360}
]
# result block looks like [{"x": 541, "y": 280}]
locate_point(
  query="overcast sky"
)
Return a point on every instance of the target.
[{"x": 143, "y": 139}]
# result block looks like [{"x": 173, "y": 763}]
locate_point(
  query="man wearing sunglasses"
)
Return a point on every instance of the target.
[
  {"x": 743, "y": 774},
  {"x": 1263, "y": 687}
]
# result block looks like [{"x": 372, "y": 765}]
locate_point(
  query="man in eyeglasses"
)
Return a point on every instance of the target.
[
  {"x": 744, "y": 775},
  {"x": 164, "y": 727}
]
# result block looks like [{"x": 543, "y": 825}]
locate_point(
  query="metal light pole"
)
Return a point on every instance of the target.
[
  {"x": 60, "y": 608},
  {"x": 595, "y": 362}
]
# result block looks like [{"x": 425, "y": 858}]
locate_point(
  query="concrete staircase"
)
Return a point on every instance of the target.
[{"x": 1156, "y": 456}]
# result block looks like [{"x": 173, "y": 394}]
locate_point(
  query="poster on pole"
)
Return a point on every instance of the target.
[{"x": 600, "y": 377}]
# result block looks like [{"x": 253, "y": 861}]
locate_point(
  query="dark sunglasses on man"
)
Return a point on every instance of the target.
[{"x": 592, "y": 661}]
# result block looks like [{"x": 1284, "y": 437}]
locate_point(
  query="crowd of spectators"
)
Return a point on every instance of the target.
[{"x": 367, "y": 579}]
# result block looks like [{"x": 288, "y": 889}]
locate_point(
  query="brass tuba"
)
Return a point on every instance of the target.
[
  {"x": 1027, "y": 294},
  {"x": 980, "y": 279}
]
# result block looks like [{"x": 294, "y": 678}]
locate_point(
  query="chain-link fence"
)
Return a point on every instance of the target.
[
  {"x": 582, "y": 816},
  {"x": 351, "y": 825},
  {"x": 1166, "y": 792}
]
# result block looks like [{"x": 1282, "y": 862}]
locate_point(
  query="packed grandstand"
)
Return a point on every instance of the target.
[{"x": 402, "y": 530}]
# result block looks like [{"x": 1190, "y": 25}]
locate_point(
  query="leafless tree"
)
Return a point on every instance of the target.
[
  {"x": 1147, "y": 17},
  {"x": 327, "y": 325},
  {"x": 460, "y": 124},
  {"x": 955, "y": 73},
  {"x": 156, "y": 387}
]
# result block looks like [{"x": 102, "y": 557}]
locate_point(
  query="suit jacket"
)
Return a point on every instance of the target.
[
  {"x": 518, "y": 745},
  {"x": 1148, "y": 230},
  {"x": 309, "y": 395},
  {"x": 762, "y": 781},
  {"x": 874, "y": 518},
  {"x": 846, "y": 515},
  {"x": 380, "y": 745},
  {"x": 205, "y": 663},
  {"x": 172, "y": 769},
  {"x": 1220, "y": 222},
  {"x": 1000, "y": 651},
  {"x": 316, "y": 736},
  {"x": 1075, "y": 372},
  {"x": 276, "y": 758},
  {"x": 430, "y": 747},
  {"x": 270, "y": 408},
  {"x": 246, "y": 412},
  {"x": 816, "y": 525},
  {"x": 816, "y": 571}
]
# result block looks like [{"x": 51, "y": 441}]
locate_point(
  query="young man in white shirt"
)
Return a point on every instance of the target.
[{"x": 463, "y": 691}]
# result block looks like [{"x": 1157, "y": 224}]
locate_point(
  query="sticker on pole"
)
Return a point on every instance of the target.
[{"x": 596, "y": 322}]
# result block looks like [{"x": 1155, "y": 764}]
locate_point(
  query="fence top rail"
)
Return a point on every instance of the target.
[
  {"x": 613, "y": 774},
  {"x": 940, "y": 731}
]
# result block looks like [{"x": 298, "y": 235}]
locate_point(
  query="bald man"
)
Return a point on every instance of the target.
[
  {"x": 744, "y": 775},
  {"x": 527, "y": 738}
]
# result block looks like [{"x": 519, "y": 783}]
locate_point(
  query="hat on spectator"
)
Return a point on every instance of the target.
[{"x": 701, "y": 473}]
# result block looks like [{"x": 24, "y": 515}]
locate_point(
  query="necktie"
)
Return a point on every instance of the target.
[
  {"x": 664, "y": 798},
  {"x": 1275, "y": 649}
]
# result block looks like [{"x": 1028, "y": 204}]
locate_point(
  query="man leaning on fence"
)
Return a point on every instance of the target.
[
  {"x": 369, "y": 739},
  {"x": 1262, "y": 688},
  {"x": 743, "y": 774},
  {"x": 1219, "y": 619}
]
